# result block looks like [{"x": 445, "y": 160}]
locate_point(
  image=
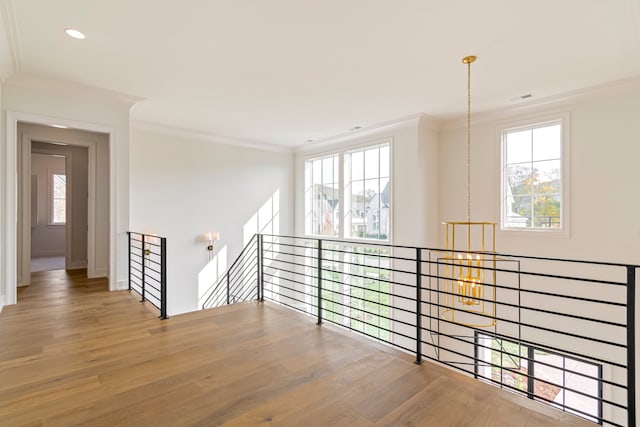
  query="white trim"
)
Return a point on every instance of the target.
[
  {"x": 145, "y": 126},
  {"x": 11, "y": 32},
  {"x": 559, "y": 103},
  {"x": 565, "y": 208},
  {"x": 75, "y": 90},
  {"x": 122, "y": 285},
  {"x": 76, "y": 265},
  {"x": 8, "y": 259},
  {"x": 360, "y": 136}
]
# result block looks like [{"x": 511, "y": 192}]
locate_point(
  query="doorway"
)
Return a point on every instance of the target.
[
  {"x": 63, "y": 201},
  {"x": 48, "y": 210}
]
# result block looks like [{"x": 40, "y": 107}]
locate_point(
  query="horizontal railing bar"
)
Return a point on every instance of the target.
[
  {"x": 559, "y": 350},
  {"x": 524, "y": 307},
  {"x": 530, "y": 273},
  {"x": 375, "y": 326},
  {"x": 290, "y": 280},
  {"x": 527, "y": 290},
  {"x": 504, "y": 385},
  {"x": 540, "y": 362},
  {"x": 288, "y": 288},
  {"x": 429, "y": 249},
  {"x": 374, "y": 302},
  {"x": 370, "y": 278}
]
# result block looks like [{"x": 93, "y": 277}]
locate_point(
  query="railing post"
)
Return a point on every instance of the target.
[
  {"x": 418, "y": 306},
  {"x": 631, "y": 345},
  {"x": 129, "y": 257},
  {"x": 163, "y": 278},
  {"x": 143, "y": 258},
  {"x": 319, "y": 260},
  {"x": 260, "y": 268}
]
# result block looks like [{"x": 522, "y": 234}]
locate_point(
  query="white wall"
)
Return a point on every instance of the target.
[
  {"x": 182, "y": 188},
  {"x": 77, "y": 107},
  {"x": 604, "y": 223},
  {"x": 46, "y": 239}
]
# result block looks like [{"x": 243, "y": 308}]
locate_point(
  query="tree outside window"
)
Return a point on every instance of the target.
[{"x": 532, "y": 177}]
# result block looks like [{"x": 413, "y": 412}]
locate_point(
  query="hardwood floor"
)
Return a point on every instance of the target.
[{"x": 74, "y": 354}]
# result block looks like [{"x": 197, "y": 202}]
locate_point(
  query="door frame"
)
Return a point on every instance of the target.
[{"x": 8, "y": 225}]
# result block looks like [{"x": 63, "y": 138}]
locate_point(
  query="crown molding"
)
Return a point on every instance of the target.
[
  {"x": 560, "y": 101},
  {"x": 634, "y": 6},
  {"x": 74, "y": 90},
  {"x": 161, "y": 129},
  {"x": 10, "y": 60},
  {"x": 373, "y": 131}
]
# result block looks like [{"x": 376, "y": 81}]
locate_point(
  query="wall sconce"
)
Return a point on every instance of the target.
[{"x": 210, "y": 239}]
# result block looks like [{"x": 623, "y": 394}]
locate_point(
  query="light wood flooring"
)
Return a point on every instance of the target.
[{"x": 74, "y": 354}]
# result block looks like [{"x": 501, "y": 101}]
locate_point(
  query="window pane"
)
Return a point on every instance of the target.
[
  {"x": 519, "y": 212},
  {"x": 327, "y": 170},
  {"x": 546, "y": 210},
  {"x": 547, "y": 176},
  {"x": 371, "y": 163},
  {"x": 519, "y": 179},
  {"x": 59, "y": 186},
  {"x": 547, "y": 142},
  {"x": 322, "y": 197},
  {"x": 385, "y": 161},
  {"x": 58, "y": 199},
  {"x": 357, "y": 165},
  {"x": 519, "y": 146}
]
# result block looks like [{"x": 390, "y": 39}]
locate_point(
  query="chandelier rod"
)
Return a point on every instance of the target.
[{"x": 468, "y": 60}]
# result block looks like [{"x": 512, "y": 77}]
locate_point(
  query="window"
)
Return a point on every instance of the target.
[
  {"x": 367, "y": 193},
  {"x": 322, "y": 196},
  {"x": 570, "y": 384},
  {"x": 533, "y": 175},
  {"x": 58, "y": 198},
  {"x": 347, "y": 194}
]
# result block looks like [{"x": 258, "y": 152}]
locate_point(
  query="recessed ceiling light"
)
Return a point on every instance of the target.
[
  {"x": 59, "y": 126},
  {"x": 309, "y": 140},
  {"x": 356, "y": 128},
  {"x": 71, "y": 32},
  {"x": 527, "y": 96}
]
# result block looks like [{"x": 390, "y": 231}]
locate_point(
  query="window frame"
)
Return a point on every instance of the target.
[
  {"x": 50, "y": 198},
  {"x": 532, "y": 123},
  {"x": 341, "y": 152}
]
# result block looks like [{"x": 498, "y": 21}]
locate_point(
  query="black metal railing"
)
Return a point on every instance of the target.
[
  {"x": 148, "y": 269},
  {"x": 561, "y": 332},
  {"x": 240, "y": 282}
]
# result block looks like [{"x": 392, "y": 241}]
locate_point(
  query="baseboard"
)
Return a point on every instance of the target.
[
  {"x": 99, "y": 272},
  {"x": 77, "y": 265},
  {"x": 47, "y": 254},
  {"x": 122, "y": 285}
]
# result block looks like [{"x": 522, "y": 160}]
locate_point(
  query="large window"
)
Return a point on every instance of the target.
[
  {"x": 533, "y": 175},
  {"x": 58, "y": 198},
  {"x": 367, "y": 193},
  {"x": 322, "y": 196},
  {"x": 570, "y": 384},
  {"x": 348, "y": 194}
]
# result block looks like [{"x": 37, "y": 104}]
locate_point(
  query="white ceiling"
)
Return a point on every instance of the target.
[{"x": 287, "y": 71}]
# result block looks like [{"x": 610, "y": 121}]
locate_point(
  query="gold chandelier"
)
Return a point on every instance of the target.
[{"x": 470, "y": 273}]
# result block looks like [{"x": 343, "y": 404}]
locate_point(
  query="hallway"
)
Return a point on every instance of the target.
[{"x": 73, "y": 353}]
